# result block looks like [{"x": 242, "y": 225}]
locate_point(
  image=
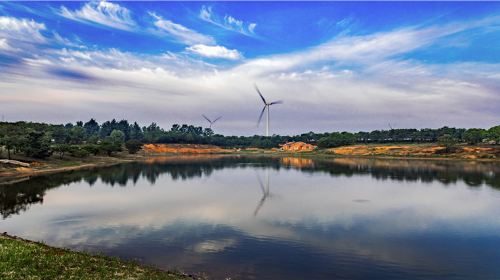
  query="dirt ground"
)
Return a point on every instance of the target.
[
  {"x": 419, "y": 150},
  {"x": 183, "y": 149}
]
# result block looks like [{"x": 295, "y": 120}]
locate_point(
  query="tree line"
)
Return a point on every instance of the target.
[{"x": 41, "y": 140}]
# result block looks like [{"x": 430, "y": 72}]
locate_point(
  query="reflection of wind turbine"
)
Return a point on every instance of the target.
[
  {"x": 210, "y": 121},
  {"x": 265, "y": 193},
  {"x": 266, "y": 106}
]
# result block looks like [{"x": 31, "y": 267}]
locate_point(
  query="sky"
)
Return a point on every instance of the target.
[{"x": 336, "y": 65}]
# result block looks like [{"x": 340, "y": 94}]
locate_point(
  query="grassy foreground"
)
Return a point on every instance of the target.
[{"x": 22, "y": 259}]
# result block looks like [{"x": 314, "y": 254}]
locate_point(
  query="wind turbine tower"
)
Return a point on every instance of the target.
[
  {"x": 266, "y": 107},
  {"x": 265, "y": 193}
]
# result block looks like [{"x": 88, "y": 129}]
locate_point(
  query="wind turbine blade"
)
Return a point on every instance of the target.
[
  {"x": 261, "y": 184},
  {"x": 207, "y": 119},
  {"x": 261, "y": 114},
  {"x": 276, "y": 102},
  {"x": 261, "y": 203},
  {"x": 217, "y": 119},
  {"x": 261, "y": 96}
]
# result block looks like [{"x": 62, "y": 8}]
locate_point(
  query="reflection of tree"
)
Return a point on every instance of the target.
[{"x": 17, "y": 197}]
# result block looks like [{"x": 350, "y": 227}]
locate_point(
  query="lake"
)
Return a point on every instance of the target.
[{"x": 273, "y": 217}]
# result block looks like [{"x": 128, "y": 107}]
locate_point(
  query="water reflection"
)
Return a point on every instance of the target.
[
  {"x": 265, "y": 193},
  {"x": 328, "y": 218},
  {"x": 474, "y": 174}
]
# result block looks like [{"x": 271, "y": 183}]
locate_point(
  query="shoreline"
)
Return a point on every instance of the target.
[
  {"x": 48, "y": 262},
  {"x": 19, "y": 174}
]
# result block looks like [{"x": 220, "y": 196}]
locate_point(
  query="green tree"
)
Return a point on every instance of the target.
[
  {"x": 109, "y": 146},
  {"x": 474, "y": 135},
  {"x": 91, "y": 127},
  {"x": 448, "y": 142},
  {"x": 117, "y": 136},
  {"x": 60, "y": 134},
  {"x": 77, "y": 135},
  {"x": 12, "y": 138},
  {"x": 92, "y": 148},
  {"x": 136, "y": 132},
  {"x": 133, "y": 146},
  {"x": 207, "y": 132},
  {"x": 152, "y": 133},
  {"x": 61, "y": 149},
  {"x": 336, "y": 139},
  {"x": 107, "y": 127},
  {"x": 37, "y": 145},
  {"x": 124, "y": 127},
  {"x": 93, "y": 139},
  {"x": 113, "y": 142},
  {"x": 78, "y": 151},
  {"x": 494, "y": 134}
]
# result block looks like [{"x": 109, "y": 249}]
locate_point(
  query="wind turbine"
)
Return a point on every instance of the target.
[
  {"x": 210, "y": 121},
  {"x": 265, "y": 193},
  {"x": 266, "y": 106}
]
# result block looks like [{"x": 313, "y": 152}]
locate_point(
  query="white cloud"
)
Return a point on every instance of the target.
[
  {"x": 24, "y": 30},
  {"x": 227, "y": 22},
  {"x": 103, "y": 13},
  {"x": 67, "y": 42},
  {"x": 215, "y": 52},
  {"x": 126, "y": 61},
  {"x": 179, "y": 32},
  {"x": 359, "y": 50},
  {"x": 347, "y": 83},
  {"x": 4, "y": 45}
]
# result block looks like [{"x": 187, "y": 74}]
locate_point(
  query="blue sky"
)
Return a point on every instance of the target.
[{"x": 337, "y": 65}]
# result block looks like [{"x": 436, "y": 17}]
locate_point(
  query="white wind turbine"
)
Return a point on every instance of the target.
[
  {"x": 210, "y": 121},
  {"x": 266, "y": 106}
]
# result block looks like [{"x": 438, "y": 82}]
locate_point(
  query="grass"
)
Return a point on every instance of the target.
[{"x": 22, "y": 259}]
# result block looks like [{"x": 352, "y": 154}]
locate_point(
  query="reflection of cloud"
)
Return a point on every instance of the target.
[
  {"x": 214, "y": 246},
  {"x": 314, "y": 212}
]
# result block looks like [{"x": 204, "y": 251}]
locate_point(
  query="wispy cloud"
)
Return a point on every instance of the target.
[
  {"x": 179, "y": 32},
  {"x": 345, "y": 83},
  {"x": 127, "y": 61},
  {"x": 227, "y": 22},
  {"x": 362, "y": 50},
  {"x": 215, "y": 52},
  {"x": 24, "y": 30},
  {"x": 67, "y": 42},
  {"x": 4, "y": 45},
  {"x": 102, "y": 13}
]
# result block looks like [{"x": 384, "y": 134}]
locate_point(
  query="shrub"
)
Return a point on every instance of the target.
[
  {"x": 92, "y": 149},
  {"x": 109, "y": 146},
  {"x": 336, "y": 139},
  {"x": 61, "y": 149},
  {"x": 133, "y": 146},
  {"x": 448, "y": 142},
  {"x": 77, "y": 151}
]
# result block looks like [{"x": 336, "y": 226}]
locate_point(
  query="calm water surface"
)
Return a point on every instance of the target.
[{"x": 273, "y": 218}]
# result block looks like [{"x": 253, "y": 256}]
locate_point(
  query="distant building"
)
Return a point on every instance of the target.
[{"x": 297, "y": 147}]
